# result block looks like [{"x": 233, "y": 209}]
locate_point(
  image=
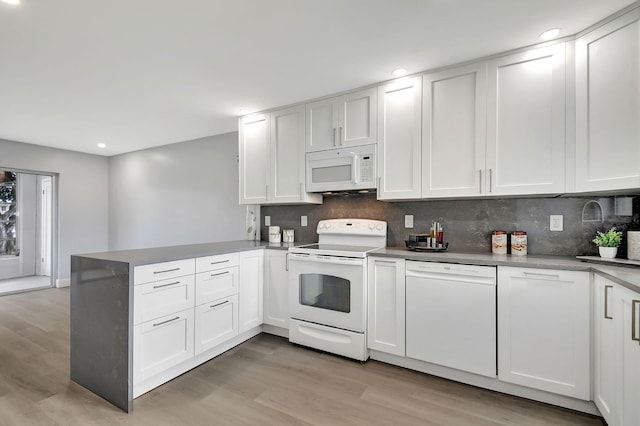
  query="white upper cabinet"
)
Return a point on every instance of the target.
[
  {"x": 526, "y": 123},
  {"x": 453, "y": 138},
  {"x": 399, "y": 145},
  {"x": 287, "y": 179},
  {"x": 346, "y": 120},
  {"x": 253, "y": 149},
  {"x": 608, "y": 106},
  {"x": 272, "y": 158}
]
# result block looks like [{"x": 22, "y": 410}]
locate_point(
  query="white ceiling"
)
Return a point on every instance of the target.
[{"x": 141, "y": 73}]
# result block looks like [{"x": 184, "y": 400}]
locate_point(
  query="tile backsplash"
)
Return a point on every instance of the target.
[{"x": 468, "y": 223}]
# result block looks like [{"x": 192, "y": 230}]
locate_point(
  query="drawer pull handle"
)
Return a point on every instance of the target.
[
  {"x": 541, "y": 276},
  {"x": 165, "y": 322},
  {"x": 219, "y": 262},
  {"x": 606, "y": 302},
  {"x": 166, "y": 270},
  {"x": 634, "y": 323},
  {"x": 219, "y": 304},
  {"x": 166, "y": 285},
  {"x": 220, "y": 273}
]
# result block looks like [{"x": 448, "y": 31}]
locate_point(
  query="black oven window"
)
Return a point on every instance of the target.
[{"x": 325, "y": 292}]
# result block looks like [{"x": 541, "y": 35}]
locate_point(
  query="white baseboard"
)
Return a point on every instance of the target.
[{"x": 65, "y": 282}]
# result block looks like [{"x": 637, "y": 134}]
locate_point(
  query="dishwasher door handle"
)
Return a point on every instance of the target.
[{"x": 451, "y": 277}]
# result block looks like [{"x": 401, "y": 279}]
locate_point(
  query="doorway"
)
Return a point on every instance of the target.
[{"x": 26, "y": 231}]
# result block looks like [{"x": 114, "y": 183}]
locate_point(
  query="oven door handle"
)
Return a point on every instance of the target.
[{"x": 334, "y": 260}]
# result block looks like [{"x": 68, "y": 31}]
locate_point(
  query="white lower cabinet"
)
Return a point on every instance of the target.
[
  {"x": 386, "y": 313},
  {"x": 544, "y": 330},
  {"x": 605, "y": 383},
  {"x": 616, "y": 353},
  {"x": 215, "y": 323},
  {"x": 250, "y": 289},
  {"x": 629, "y": 309},
  {"x": 161, "y": 344},
  {"x": 276, "y": 288}
]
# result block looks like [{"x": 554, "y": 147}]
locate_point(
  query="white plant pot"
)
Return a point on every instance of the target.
[{"x": 608, "y": 252}]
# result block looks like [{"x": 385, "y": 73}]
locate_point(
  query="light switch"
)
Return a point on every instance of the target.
[
  {"x": 303, "y": 221},
  {"x": 408, "y": 221},
  {"x": 555, "y": 222},
  {"x": 267, "y": 220}
]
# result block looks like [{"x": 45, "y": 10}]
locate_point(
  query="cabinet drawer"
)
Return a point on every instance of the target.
[
  {"x": 211, "y": 263},
  {"x": 214, "y": 285},
  {"x": 216, "y": 322},
  {"x": 160, "y": 298},
  {"x": 161, "y": 271},
  {"x": 161, "y": 344}
]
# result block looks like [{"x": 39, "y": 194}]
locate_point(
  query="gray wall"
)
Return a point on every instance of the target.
[
  {"x": 183, "y": 193},
  {"x": 82, "y": 179},
  {"x": 467, "y": 223}
]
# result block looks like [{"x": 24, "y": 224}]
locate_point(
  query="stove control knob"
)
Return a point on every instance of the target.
[
  {"x": 371, "y": 226},
  {"x": 379, "y": 227}
]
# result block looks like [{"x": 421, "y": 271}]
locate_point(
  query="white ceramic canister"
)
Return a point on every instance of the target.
[
  {"x": 274, "y": 234},
  {"x": 633, "y": 245},
  {"x": 519, "y": 243},
  {"x": 499, "y": 242}
]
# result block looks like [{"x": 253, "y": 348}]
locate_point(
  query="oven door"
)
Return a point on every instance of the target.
[{"x": 328, "y": 290}]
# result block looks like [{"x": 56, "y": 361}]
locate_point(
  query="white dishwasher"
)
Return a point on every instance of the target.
[{"x": 451, "y": 315}]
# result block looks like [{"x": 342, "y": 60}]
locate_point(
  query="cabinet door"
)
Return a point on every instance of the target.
[
  {"x": 357, "y": 118},
  {"x": 386, "y": 290},
  {"x": 630, "y": 316},
  {"x": 399, "y": 148},
  {"x": 161, "y": 344},
  {"x": 606, "y": 394},
  {"x": 526, "y": 123},
  {"x": 453, "y": 139},
  {"x": 213, "y": 285},
  {"x": 276, "y": 289},
  {"x": 608, "y": 106},
  {"x": 543, "y": 330},
  {"x": 321, "y": 129},
  {"x": 251, "y": 279},
  {"x": 253, "y": 150},
  {"x": 215, "y": 323},
  {"x": 287, "y": 162}
]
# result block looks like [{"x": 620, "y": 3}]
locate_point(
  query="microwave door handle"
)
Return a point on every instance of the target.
[{"x": 356, "y": 169}]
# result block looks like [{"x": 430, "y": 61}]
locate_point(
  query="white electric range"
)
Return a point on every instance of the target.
[{"x": 327, "y": 286}]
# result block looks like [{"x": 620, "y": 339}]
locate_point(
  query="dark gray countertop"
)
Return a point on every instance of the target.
[
  {"x": 623, "y": 275},
  {"x": 626, "y": 276}
]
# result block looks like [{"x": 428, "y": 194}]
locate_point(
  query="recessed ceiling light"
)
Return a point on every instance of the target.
[
  {"x": 550, "y": 34},
  {"x": 102, "y": 145},
  {"x": 14, "y": 2},
  {"x": 399, "y": 72}
]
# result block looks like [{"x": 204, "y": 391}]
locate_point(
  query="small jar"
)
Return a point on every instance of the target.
[
  {"x": 519, "y": 243},
  {"x": 499, "y": 242}
]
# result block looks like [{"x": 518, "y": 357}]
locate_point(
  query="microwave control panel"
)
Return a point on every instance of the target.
[{"x": 366, "y": 168}]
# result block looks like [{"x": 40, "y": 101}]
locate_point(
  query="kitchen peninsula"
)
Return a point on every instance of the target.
[{"x": 132, "y": 313}]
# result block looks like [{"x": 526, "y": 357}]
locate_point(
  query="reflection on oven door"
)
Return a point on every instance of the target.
[{"x": 325, "y": 292}]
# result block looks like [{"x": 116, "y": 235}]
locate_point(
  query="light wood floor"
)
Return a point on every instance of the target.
[{"x": 265, "y": 381}]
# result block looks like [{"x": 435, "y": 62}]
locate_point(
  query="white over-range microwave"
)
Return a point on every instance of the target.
[{"x": 342, "y": 169}]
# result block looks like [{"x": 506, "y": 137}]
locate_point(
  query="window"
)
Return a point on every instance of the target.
[{"x": 8, "y": 234}]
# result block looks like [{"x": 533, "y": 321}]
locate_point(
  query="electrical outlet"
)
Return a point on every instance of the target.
[
  {"x": 555, "y": 222},
  {"x": 303, "y": 221},
  {"x": 408, "y": 221},
  {"x": 267, "y": 220}
]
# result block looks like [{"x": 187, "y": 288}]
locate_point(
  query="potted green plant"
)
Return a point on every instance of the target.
[{"x": 608, "y": 243}]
